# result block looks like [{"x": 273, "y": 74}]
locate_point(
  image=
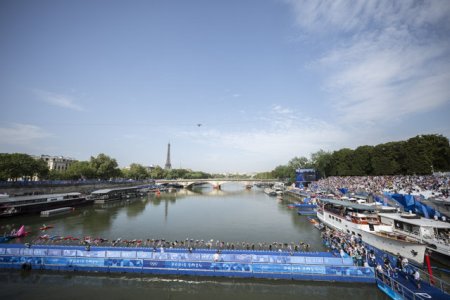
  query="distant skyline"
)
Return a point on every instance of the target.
[{"x": 234, "y": 86}]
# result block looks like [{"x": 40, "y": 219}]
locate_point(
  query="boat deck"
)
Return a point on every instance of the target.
[{"x": 402, "y": 286}]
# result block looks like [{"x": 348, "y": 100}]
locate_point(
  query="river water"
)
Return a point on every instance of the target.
[{"x": 232, "y": 214}]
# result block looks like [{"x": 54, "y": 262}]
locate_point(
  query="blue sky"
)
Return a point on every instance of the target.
[{"x": 268, "y": 80}]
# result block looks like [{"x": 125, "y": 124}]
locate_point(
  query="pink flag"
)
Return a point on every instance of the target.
[{"x": 21, "y": 231}]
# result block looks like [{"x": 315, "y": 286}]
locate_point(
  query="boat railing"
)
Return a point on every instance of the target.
[
  {"x": 397, "y": 287},
  {"x": 432, "y": 280},
  {"x": 439, "y": 241}
]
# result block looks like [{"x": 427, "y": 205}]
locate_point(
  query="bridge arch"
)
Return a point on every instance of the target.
[{"x": 214, "y": 182}]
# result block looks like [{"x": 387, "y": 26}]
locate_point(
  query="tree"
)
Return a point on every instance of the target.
[
  {"x": 137, "y": 172},
  {"x": 284, "y": 173},
  {"x": 58, "y": 175},
  {"x": 264, "y": 175},
  {"x": 342, "y": 162},
  {"x": 418, "y": 156},
  {"x": 321, "y": 161},
  {"x": 158, "y": 173},
  {"x": 300, "y": 163},
  {"x": 41, "y": 169},
  {"x": 177, "y": 173},
  {"x": 436, "y": 151},
  {"x": 361, "y": 162},
  {"x": 18, "y": 165},
  {"x": 80, "y": 170},
  {"x": 197, "y": 175},
  {"x": 387, "y": 159},
  {"x": 104, "y": 166}
]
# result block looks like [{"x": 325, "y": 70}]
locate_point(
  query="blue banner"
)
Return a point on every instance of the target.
[
  {"x": 129, "y": 254},
  {"x": 131, "y": 263},
  {"x": 272, "y": 268},
  {"x": 143, "y": 254},
  {"x": 188, "y": 265},
  {"x": 314, "y": 260},
  {"x": 82, "y": 262},
  {"x": 110, "y": 253},
  {"x": 276, "y": 265},
  {"x": 69, "y": 252},
  {"x": 54, "y": 252},
  {"x": 21, "y": 260},
  {"x": 260, "y": 258},
  {"x": 154, "y": 264},
  {"x": 236, "y": 267},
  {"x": 14, "y": 251},
  {"x": 299, "y": 269},
  {"x": 297, "y": 260}
]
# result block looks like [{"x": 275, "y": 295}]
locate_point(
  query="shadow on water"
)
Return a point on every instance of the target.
[{"x": 45, "y": 285}]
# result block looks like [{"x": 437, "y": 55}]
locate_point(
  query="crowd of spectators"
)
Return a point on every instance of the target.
[
  {"x": 433, "y": 186},
  {"x": 347, "y": 245}
]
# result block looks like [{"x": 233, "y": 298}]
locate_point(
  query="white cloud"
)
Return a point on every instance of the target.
[
  {"x": 58, "y": 100},
  {"x": 281, "y": 110},
  {"x": 22, "y": 134},
  {"x": 385, "y": 59},
  {"x": 286, "y": 134},
  {"x": 360, "y": 16}
]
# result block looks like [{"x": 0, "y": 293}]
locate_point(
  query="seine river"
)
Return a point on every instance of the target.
[{"x": 232, "y": 214}]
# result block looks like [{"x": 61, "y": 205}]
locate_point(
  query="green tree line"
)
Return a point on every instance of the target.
[
  {"x": 420, "y": 155},
  {"x": 17, "y": 165},
  {"x": 23, "y": 166}
]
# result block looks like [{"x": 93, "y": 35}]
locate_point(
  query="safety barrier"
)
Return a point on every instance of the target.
[{"x": 200, "y": 262}]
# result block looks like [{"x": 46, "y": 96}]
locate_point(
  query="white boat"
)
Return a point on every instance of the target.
[
  {"x": 362, "y": 220},
  {"x": 270, "y": 192},
  {"x": 434, "y": 233},
  {"x": 279, "y": 188},
  {"x": 442, "y": 201}
]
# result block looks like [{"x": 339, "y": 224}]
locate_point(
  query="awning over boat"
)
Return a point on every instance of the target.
[
  {"x": 107, "y": 191},
  {"x": 417, "y": 222},
  {"x": 36, "y": 197},
  {"x": 348, "y": 204}
]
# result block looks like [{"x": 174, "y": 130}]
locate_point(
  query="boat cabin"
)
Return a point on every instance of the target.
[
  {"x": 114, "y": 194},
  {"x": 33, "y": 199},
  {"x": 418, "y": 227},
  {"x": 353, "y": 212}
]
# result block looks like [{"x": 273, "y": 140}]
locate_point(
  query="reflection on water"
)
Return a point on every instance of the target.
[
  {"x": 44, "y": 285},
  {"x": 232, "y": 214}
]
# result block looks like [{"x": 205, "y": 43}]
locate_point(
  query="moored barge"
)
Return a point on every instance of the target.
[{"x": 13, "y": 206}]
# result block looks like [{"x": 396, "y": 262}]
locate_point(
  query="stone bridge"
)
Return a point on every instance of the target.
[{"x": 215, "y": 182}]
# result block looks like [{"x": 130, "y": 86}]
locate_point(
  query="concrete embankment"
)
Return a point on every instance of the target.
[
  {"x": 293, "y": 196},
  {"x": 62, "y": 188}
]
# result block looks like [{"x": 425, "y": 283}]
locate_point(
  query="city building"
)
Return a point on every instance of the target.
[{"x": 59, "y": 163}]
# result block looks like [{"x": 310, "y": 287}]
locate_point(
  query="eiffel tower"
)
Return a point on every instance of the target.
[{"x": 168, "y": 165}]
